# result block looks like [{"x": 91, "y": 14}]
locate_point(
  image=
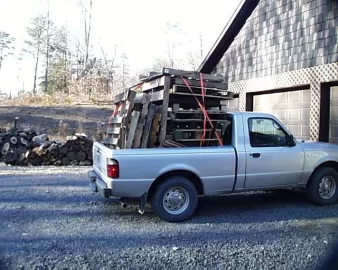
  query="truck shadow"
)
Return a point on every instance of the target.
[{"x": 262, "y": 207}]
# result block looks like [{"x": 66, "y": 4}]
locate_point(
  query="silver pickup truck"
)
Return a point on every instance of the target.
[{"x": 258, "y": 153}]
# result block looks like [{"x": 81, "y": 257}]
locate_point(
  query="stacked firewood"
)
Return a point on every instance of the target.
[{"x": 26, "y": 147}]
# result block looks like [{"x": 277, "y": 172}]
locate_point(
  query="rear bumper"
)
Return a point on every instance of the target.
[
  {"x": 96, "y": 184},
  {"x": 118, "y": 188}
]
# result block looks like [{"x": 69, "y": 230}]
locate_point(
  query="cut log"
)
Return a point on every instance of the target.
[
  {"x": 90, "y": 155},
  {"x": 70, "y": 143},
  {"x": 64, "y": 149},
  {"x": 20, "y": 159},
  {"x": 84, "y": 148},
  {"x": 65, "y": 161},
  {"x": 71, "y": 156},
  {"x": 80, "y": 156},
  {"x": 43, "y": 146},
  {"x": 22, "y": 150},
  {"x": 55, "y": 152},
  {"x": 57, "y": 141},
  {"x": 74, "y": 162},
  {"x": 75, "y": 148},
  {"x": 58, "y": 163},
  {"x": 89, "y": 144},
  {"x": 85, "y": 163},
  {"x": 40, "y": 139},
  {"x": 51, "y": 147},
  {"x": 23, "y": 141},
  {"x": 14, "y": 140},
  {"x": 80, "y": 141},
  {"x": 5, "y": 149},
  {"x": 11, "y": 157}
]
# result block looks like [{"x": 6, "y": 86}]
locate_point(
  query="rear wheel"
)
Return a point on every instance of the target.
[
  {"x": 175, "y": 200},
  {"x": 322, "y": 188}
]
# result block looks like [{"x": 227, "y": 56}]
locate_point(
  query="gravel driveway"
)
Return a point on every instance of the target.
[{"x": 49, "y": 219}]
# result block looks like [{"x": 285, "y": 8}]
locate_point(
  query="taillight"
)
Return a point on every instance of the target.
[{"x": 113, "y": 170}]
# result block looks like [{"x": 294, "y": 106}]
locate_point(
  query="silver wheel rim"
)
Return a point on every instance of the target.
[
  {"x": 176, "y": 200},
  {"x": 327, "y": 187}
]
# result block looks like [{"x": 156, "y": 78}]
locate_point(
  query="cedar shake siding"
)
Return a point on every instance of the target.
[{"x": 282, "y": 36}]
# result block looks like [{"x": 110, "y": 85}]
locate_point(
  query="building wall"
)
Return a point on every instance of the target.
[{"x": 282, "y": 36}]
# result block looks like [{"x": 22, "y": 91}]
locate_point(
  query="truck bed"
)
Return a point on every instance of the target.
[{"x": 140, "y": 167}]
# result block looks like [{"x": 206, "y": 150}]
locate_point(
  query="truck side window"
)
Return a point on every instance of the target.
[{"x": 265, "y": 132}]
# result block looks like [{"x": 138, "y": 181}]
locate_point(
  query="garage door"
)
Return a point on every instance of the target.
[
  {"x": 333, "y": 136},
  {"x": 291, "y": 108}
]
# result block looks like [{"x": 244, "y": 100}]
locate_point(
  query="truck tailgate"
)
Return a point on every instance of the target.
[{"x": 100, "y": 155}]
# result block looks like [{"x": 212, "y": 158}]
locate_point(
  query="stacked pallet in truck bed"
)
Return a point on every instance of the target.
[
  {"x": 118, "y": 122},
  {"x": 164, "y": 111},
  {"x": 187, "y": 127}
]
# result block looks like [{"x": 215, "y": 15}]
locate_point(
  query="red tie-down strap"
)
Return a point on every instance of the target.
[
  {"x": 120, "y": 104},
  {"x": 203, "y": 110},
  {"x": 204, "y": 118},
  {"x": 114, "y": 112}
]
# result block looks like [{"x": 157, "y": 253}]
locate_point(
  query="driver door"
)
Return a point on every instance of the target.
[{"x": 269, "y": 160}]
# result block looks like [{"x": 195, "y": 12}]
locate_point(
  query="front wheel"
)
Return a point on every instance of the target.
[
  {"x": 175, "y": 200},
  {"x": 322, "y": 188}
]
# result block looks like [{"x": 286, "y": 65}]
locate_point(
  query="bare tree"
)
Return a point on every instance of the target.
[
  {"x": 110, "y": 67},
  {"x": 201, "y": 46},
  {"x": 47, "y": 48},
  {"x": 195, "y": 57},
  {"x": 5, "y": 46},
  {"x": 87, "y": 17},
  {"x": 175, "y": 37},
  {"x": 160, "y": 63},
  {"x": 193, "y": 60},
  {"x": 59, "y": 67},
  {"x": 37, "y": 34}
]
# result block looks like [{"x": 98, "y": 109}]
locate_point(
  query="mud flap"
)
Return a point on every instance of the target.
[{"x": 143, "y": 203}]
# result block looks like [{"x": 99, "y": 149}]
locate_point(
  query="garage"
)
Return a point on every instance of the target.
[
  {"x": 292, "y": 108},
  {"x": 333, "y": 133}
]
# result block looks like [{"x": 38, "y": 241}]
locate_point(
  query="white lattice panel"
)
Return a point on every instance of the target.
[{"x": 313, "y": 76}]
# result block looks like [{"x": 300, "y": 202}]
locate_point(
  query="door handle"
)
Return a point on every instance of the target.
[{"x": 255, "y": 155}]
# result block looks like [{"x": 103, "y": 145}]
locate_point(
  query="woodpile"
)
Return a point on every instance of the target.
[
  {"x": 26, "y": 147},
  {"x": 163, "y": 111}
]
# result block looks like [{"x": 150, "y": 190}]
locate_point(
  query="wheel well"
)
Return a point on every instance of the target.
[
  {"x": 327, "y": 164},
  {"x": 192, "y": 177}
]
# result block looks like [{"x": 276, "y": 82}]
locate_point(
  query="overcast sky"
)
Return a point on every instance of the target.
[{"x": 139, "y": 25}]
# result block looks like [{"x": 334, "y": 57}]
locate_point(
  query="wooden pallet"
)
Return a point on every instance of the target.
[
  {"x": 117, "y": 126},
  {"x": 164, "y": 109}
]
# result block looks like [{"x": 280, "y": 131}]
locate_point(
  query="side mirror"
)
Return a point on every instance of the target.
[{"x": 291, "y": 141}]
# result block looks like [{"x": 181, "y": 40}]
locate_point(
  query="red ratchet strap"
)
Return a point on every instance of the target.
[
  {"x": 203, "y": 110},
  {"x": 114, "y": 112},
  {"x": 118, "y": 106},
  {"x": 205, "y": 118},
  {"x": 138, "y": 85}
]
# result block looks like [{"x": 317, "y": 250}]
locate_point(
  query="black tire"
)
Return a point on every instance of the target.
[
  {"x": 313, "y": 186},
  {"x": 183, "y": 188}
]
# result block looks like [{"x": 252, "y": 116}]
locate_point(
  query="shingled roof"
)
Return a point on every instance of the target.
[{"x": 229, "y": 33}]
